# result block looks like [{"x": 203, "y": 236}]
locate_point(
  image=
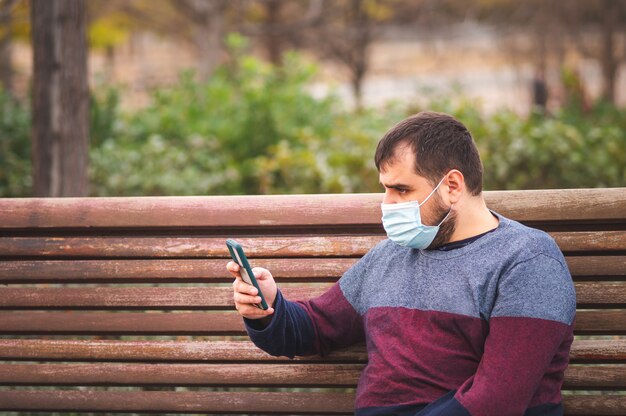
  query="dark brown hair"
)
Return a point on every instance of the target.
[{"x": 440, "y": 143}]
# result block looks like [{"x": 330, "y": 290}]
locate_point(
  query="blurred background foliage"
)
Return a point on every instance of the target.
[
  {"x": 254, "y": 128},
  {"x": 248, "y": 119},
  {"x": 15, "y": 145}
]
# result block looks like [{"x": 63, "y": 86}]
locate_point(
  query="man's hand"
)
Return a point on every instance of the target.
[{"x": 245, "y": 295}]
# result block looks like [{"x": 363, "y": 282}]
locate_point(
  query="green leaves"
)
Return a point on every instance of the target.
[
  {"x": 224, "y": 136},
  {"x": 256, "y": 129},
  {"x": 15, "y": 165}
]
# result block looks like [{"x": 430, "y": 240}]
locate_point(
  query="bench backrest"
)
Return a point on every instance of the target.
[{"x": 124, "y": 305}]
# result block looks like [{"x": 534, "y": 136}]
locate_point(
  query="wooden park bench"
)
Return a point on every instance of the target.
[{"x": 123, "y": 305}]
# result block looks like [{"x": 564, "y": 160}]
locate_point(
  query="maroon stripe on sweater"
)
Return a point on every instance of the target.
[
  {"x": 335, "y": 321},
  {"x": 523, "y": 356},
  {"x": 418, "y": 365}
]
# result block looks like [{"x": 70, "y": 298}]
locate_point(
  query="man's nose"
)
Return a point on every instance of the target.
[{"x": 388, "y": 198}]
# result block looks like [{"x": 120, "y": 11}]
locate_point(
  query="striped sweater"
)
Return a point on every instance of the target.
[{"x": 481, "y": 330}]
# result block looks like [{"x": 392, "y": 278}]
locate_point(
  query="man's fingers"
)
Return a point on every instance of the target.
[
  {"x": 246, "y": 299},
  {"x": 233, "y": 268},
  {"x": 246, "y": 296},
  {"x": 252, "y": 312},
  {"x": 260, "y": 273},
  {"x": 242, "y": 287}
]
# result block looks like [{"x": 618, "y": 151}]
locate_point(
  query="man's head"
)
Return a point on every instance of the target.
[
  {"x": 439, "y": 143},
  {"x": 421, "y": 152}
]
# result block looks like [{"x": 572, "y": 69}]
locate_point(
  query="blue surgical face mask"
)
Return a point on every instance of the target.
[{"x": 403, "y": 223}]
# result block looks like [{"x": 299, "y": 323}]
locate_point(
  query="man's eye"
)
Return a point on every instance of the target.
[{"x": 402, "y": 191}]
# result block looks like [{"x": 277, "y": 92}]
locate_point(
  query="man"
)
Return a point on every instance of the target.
[{"x": 463, "y": 311}]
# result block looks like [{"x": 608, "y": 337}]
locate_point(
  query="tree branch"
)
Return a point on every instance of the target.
[{"x": 6, "y": 8}]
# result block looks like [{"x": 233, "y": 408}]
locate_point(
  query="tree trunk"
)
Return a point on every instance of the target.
[
  {"x": 609, "y": 60},
  {"x": 358, "y": 74},
  {"x": 60, "y": 131},
  {"x": 362, "y": 38},
  {"x": 208, "y": 32},
  {"x": 272, "y": 39}
]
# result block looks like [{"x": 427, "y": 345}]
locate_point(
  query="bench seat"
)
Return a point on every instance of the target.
[{"x": 123, "y": 305}]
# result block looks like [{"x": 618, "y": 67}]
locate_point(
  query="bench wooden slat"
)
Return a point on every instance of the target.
[
  {"x": 589, "y": 294},
  {"x": 163, "y": 271},
  {"x": 185, "y": 402},
  {"x": 597, "y": 265},
  {"x": 133, "y": 297},
  {"x": 272, "y": 247},
  {"x": 158, "y": 298},
  {"x": 591, "y": 377},
  {"x": 214, "y": 271},
  {"x": 158, "y": 351},
  {"x": 122, "y": 323},
  {"x": 599, "y": 294},
  {"x": 287, "y": 210},
  {"x": 583, "y": 351},
  {"x": 242, "y": 402},
  {"x": 96, "y": 374},
  {"x": 185, "y": 246},
  {"x": 594, "y": 405},
  {"x": 586, "y": 241},
  {"x": 588, "y": 322},
  {"x": 573, "y": 205},
  {"x": 600, "y": 322},
  {"x": 192, "y": 211},
  {"x": 586, "y": 351},
  {"x": 587, "y": 377}
]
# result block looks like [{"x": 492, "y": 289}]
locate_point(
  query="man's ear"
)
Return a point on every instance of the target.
[{"x": 456, "y": 185}]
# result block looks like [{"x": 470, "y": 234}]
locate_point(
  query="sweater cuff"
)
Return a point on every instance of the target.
[{"x": 256, "y": 331}]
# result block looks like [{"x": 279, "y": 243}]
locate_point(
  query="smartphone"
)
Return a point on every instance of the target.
[{"x": 239, "y": 257}]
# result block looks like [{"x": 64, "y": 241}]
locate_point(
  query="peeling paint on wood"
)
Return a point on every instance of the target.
[{"x": 307, "y": 241}]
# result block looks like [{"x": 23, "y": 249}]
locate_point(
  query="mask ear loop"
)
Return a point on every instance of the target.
[
  {"x": 447, "y": 215},
  {"x": 432, "y": 192}
]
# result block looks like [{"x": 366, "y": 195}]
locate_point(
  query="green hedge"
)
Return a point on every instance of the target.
[
  {"x": 256, "y": 129},
  {"x": 15, "y": 164}
]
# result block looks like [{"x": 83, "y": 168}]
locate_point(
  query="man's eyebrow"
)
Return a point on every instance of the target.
[{"x": 396, "y": 186}]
